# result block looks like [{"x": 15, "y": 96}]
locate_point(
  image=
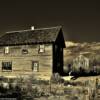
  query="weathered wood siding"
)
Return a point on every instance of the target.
[{"x": 22, "y": 63}]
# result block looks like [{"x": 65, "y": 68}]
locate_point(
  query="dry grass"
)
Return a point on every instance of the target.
[{"x": 80, "y": 89}]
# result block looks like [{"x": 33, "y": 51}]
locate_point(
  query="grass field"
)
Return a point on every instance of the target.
[{"x": 83, "y": 88}]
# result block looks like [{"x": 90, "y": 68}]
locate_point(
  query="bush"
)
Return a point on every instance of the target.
[
  {"x": 44, "y": 82},
  {"x": 73, "y": 83}
]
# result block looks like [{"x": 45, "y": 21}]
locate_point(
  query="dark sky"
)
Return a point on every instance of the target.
[{"x": 80, "y": 18}]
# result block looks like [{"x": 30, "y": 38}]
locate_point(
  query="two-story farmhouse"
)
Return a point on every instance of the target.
[{"x": 38, "y": 51}]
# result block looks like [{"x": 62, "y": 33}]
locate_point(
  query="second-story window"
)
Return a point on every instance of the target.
[
  {"x": 25, "y": 50},
  {"x": 6, "y": 51},
  {"x": 41, "y": 48}
]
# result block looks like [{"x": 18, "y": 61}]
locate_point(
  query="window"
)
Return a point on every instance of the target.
[
  {"x": 6, "y": 50},
  {"x": 35, "y": 66},
  {"x": 25, "y": 49},
  {"x": 6, "y": 65},
  {"x": 41, "y": 48}
]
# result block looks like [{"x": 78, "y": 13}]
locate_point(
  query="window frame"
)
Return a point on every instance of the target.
[
  {"x": 35, "y": 67},
  {"x": 6, "y": 65},
  {"x": 39, "y": 51},
  {"x": 6, "y": 50},
  {"x": 24, "y": 49}
]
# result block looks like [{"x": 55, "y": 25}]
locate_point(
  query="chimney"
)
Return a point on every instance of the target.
[{"x": 32, "y": 27}]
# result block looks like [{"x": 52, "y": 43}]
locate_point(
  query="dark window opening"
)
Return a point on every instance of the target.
[
  {"x": 24, "y": 51},
  {"x": 35, "y": 66},
  {"x": 6, "y": 65}
]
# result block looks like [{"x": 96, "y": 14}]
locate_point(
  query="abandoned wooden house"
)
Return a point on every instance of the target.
[
  {"x": 81, "y": 62},
  {"x": 33, "y": 51}
]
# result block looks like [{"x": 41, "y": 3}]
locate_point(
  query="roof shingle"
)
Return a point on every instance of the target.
[{"x": 43, "y": 35}]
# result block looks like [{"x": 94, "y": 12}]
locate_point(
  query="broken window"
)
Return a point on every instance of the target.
[
  {"x": 41, "y": 48},
  {"x": 6, "y": 65},
  {"x": 6, "y": 51},
  {"x": 25, "y": 49}
]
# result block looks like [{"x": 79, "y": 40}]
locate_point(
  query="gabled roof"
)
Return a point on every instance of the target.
[{"x": 43, "y": 35}]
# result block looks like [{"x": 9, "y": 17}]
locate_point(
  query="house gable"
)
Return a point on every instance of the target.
[{"x": 60, "y": 39}]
